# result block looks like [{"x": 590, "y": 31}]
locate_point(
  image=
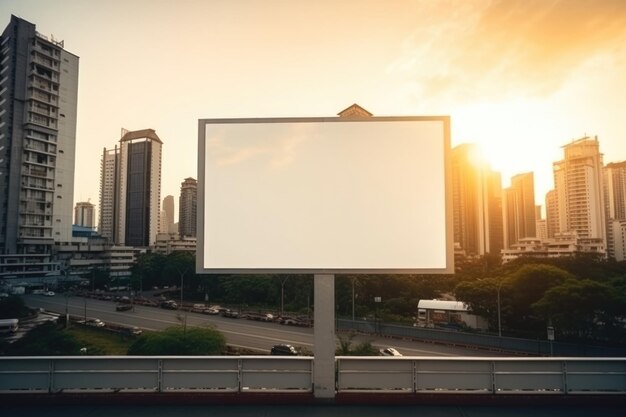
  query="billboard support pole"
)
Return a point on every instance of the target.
[{"x": 324, "y": 337}]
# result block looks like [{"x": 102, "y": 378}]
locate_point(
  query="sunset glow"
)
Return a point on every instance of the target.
[{"x": 521, "y": 78}]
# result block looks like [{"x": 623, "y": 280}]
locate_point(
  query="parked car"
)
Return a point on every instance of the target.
[
  {"x": 123, "y": 307},
  {"x": 94, "y": 323},
  {"x": 284, "y": 350},
  {"x": 211, "y": 311},
  {"x": 49, "y": 293},
  {"x": 169, "y": 305},
  {"x": 389, "y": 351},
  {"x": 134, "y": 331},
  {"x": 231, "y": 314}
]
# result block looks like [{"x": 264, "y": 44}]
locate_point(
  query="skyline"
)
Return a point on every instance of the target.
[{"x": 522, "y": 79}]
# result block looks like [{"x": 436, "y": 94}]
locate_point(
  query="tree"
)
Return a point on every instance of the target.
[
  {"x": 13, "y": 307},
  {"x": 178, "y": 341},
  {"x": 526, "y": 286},
  {"x": 482, "y": 298},
  {"x": 577, "y": 306}
]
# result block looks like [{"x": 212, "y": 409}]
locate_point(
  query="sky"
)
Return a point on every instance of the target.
[{"x": 521, "y": 78}]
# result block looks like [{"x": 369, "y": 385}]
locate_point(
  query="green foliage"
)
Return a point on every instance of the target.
[
  {"x": 44, "y": 340},
  {"x": 575, "y": 306},
  {"x": 526, "y": 286},
  {"x": 13, "y": 308},
  {"x": 178, "y": 341}
]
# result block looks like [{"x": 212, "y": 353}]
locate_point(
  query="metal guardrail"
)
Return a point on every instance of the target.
[
  {"x": 470, "y": 375},
  {"x": 155, "y": 374},
  {"x": 240, "y": 374},
  {"x": 481, "y": 340}
]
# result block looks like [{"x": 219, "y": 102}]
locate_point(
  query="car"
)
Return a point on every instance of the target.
[
  {"x": 231, "y": 314},
  {"x": 94, "y": 323},
  {"x": 134, "y": 331},
  {"x": 389, "y": 351},
  {"x": 123, "y": 307},
  {"x": 211, "y": 311},
  {"x": 284, "y": 350},
  {"x": 49, "y": 293},
  {"x": 169, "y": 305}
]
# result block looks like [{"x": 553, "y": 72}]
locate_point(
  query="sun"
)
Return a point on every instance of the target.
[{"x": 515, "y": 136}]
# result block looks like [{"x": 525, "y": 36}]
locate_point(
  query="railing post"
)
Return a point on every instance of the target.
[
  {"x": 564, "y": 374},
  {"x": 239, "y": 375},
  {"x": 415, "y": 370},
  {"x": 494, "y": 388},
  {"x": 51, "y": 368},
  {"x": 160, "y": 375}
]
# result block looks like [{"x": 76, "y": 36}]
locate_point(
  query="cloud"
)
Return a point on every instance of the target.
[{"x": 499, "y": 48}]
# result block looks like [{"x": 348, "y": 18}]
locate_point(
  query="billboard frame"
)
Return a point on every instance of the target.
[{"x": 449, "y": 244}]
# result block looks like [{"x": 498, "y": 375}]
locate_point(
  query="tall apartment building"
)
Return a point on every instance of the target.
[
  {"x": 85, "y": 214},
  {"x": 130, "y": 189},
  {"x": 578, "y": 182},
  {"x": 167, "y": 215},
  {"x": 519, "y": 209},
  {"x": 615, "y": 207},
  {"x": 38, "y": 101},
  {"x": 552, "y": 214},
  {"x": 187, "y": 209},
  {"x": 109, "y": 188},
  {"x": 476, "y": 203}
]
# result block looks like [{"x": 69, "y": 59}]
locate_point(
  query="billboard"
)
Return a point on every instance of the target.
[{"x": 324, "y": 195}]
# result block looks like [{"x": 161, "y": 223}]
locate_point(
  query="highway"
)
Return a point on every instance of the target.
[{"x": 241, "y": 333}]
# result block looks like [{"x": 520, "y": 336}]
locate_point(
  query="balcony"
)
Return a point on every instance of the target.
[{"x": 46, "y": 62}]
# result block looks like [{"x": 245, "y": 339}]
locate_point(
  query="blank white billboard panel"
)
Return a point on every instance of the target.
[{"x": 324, "y": 195}]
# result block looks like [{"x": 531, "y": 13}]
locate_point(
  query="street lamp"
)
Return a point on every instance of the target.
[
  {"x": 498, "y": 288},
  {"x": 377, "y": 300},
  {"x": 353, "y": 296},
  {"x": 282, "y": 295}
]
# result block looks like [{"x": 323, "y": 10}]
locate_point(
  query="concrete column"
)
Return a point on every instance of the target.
[{"x": 324, "y": 337}]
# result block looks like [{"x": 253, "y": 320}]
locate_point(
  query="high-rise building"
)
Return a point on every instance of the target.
[
  {"x": 476, "y": 203},
  {"x": 519, "y": 209},
  {"x": 38, "y": 101},
  {"x": 109, "y": 189},
  {"x": 552, "y": 214},
  {"x": 85, "y": 214},
  {"x": 615, "y": 207},
  {"x": 187, "y": 209},
  {"x": 167, "y": 218},
  {"x": 578, "y": 182},
  {"x": 130, "y": 189}
]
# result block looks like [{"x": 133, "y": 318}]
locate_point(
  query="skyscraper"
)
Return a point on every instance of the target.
[
  {"x": 519, "y": 209},
  {"x": 476, "y": 202},
  {"x": 188, "y": 208},
  {"x": 167, "y": 222},
  {"x": 578, "y": 182},
  {"x": 130, "y": 189},
  {"x": 109, "y": 189},
  {"x": 615, "y": 207},
  {"x": 552, "y": 214},
  {"x": 85, "y": 214},
  {"x": 38, "y": 101}
]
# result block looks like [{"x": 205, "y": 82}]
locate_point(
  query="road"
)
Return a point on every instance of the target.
[{"x": 247, "y": 334}]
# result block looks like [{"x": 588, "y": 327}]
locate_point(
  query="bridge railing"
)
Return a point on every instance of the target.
[
  {"x": 155, "y": 374},
  {"x": 237, "y": 374},
  {"x": 482, "y": 375}
]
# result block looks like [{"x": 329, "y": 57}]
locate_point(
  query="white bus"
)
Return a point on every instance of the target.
[{"x": 8, "y": 325}]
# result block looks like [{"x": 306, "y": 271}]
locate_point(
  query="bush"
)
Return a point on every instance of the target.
[
  {"x": 44, "y": 340},
  {"x": 178, "y": 341},
  {"x": 13, "y": 307}
]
